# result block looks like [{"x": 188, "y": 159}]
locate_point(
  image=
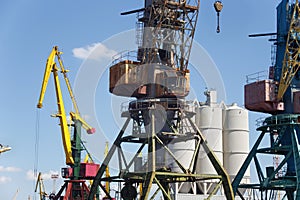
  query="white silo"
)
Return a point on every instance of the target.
[
  {"x": 183, "y": 151},
  {"x": 235, "y": 140},
  {"x": 209, "y": 121}
]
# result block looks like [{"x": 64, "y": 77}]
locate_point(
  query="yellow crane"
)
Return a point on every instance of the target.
[
  {"x": 77, "y": 172},
  {"x": 16, "y": 194},
  {"x": 40, "y": 185},
  {"x": 4, "y": 148},
  {"x": 291, "y": 62},
  {"x": 51, "y": 66}
]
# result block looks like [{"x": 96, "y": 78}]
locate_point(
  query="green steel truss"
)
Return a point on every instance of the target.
[
  {"x": 163, "y": 177},
  {"x": 283, "y": 134}
]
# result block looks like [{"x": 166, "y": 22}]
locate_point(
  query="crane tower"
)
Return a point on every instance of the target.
[
  {"x": 278, "y": 96},
  {"x": 157, "y": 75},
  {"x": 77, "y": 171}
]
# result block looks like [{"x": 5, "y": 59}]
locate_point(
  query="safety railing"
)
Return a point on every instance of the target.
[
  {"x": 124, "y": 55},
  {"x": 258, "y": 76},
  {"x": 167, "y": 103}
]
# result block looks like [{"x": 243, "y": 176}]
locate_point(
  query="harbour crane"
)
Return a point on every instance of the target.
[
  {"x": 51, "y": 66},
  {"x": 16, "y": 195},
  {"x": 4, "y": 148},
  {"x": 40, "y": 186},
  {"x": 77, "y": 172},
  {"x": 279, "y": 96},
  {"x": 157, "y": 74},
  {"x": 291, "y": 60}
]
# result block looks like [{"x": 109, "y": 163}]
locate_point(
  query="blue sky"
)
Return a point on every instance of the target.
[{"x": 29, "y": 29}]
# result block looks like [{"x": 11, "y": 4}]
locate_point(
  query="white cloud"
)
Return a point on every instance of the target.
[
  {"x": 9, "y": 169},
  {"x": 5, "y": 179},
  {"x": 86, "y": 117},
  {"x": 30, "y": 175},
  {"x": 96, "y": 51},
  {"x": 45, "y": 176}
]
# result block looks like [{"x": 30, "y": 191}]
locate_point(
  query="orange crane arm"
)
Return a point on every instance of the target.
[{"x": 66, "y": 136}]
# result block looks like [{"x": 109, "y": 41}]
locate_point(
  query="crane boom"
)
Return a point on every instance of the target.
[
  {"x": 51, "y": 66},
  {"x": 66, "y": 136},
  {"x": 84, "y": 124},
  {"x": 76, "y": 115},
  {"x": 64, "y": 72},
  {"x": 39, "y": 184},
  {"x": 16, "y": 194},
  {"x": 4, "y": 148},
  {"x": 291, "y": 57}
]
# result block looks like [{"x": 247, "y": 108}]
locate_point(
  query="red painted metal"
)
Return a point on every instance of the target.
[
  {"x": 73, "y": 185},
  {"x": 261, "y": 96},
  {"x": 296, "y": 102},
  {"x": 88, "y": 170}
]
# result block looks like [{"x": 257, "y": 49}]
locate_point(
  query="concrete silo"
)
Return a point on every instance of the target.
[
  {"x": 209, "y": 121},
  {"x": 235, "y": 140}
]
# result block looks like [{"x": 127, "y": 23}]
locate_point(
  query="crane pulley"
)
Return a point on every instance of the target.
[{"x": 51, "y": 66}]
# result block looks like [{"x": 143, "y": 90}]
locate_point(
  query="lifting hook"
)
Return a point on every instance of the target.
[{"x": 218, "y": 7}]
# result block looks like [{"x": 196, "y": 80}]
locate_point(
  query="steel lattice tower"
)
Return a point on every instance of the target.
[{"x": 161, "y": 118}]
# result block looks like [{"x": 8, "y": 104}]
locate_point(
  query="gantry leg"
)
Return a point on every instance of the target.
[
  {"x": 107, "y": 159},
  {"x": 150, "y": 174},
  {"x": 296, "y": 152}
]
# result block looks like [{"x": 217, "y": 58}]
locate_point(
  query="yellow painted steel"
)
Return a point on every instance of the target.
[
  {"x": 86, "y": 159},
  {"x": 107, "y": 174},
  {"x": 4, "y": 148},
  {"x": 291, "y": 62},
  {"x": 16, "y": 194},
  {"x": 64, "y": 72},
  {"x": 76, "y": 115},
  {"x": 84, "y": 124},
  {"x": 40, "y": 184},
  {"x": 49, "y": 65},
  {"x": 66, "y": 136}
]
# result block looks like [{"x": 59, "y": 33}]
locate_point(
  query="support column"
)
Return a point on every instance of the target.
[{"x": 151, "y": 160}]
